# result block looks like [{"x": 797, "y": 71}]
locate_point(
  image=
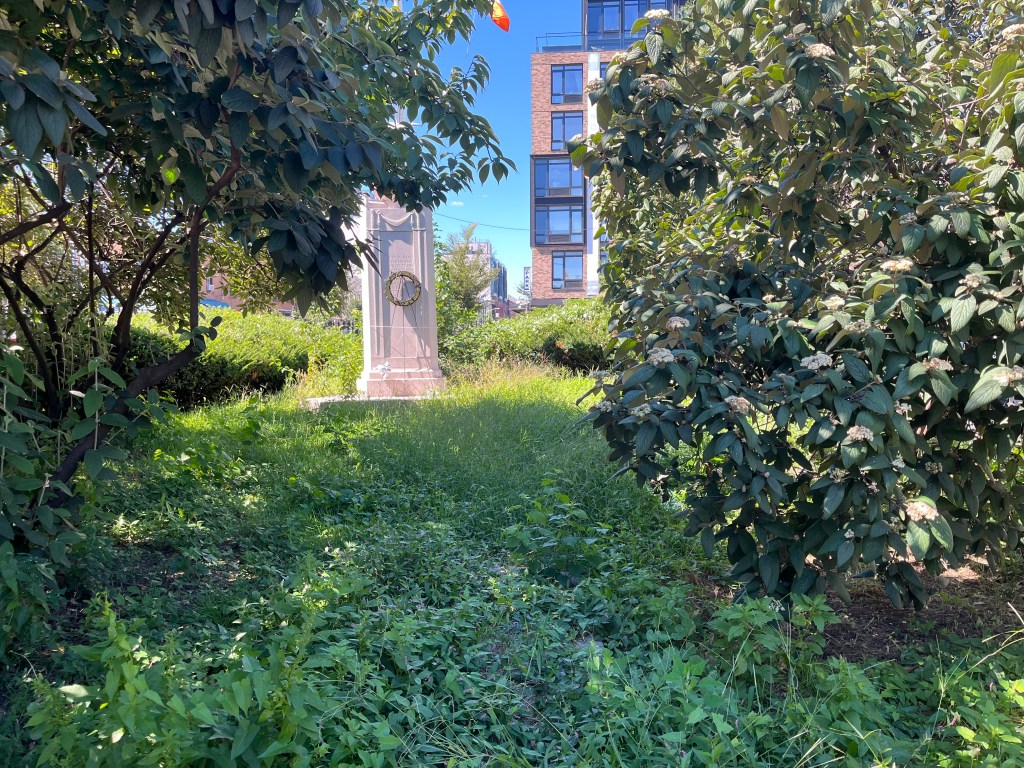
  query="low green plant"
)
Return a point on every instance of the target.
[
  {"x": 558, "y": 539},
  {"x": 574, "y": 335},
  {"x": 336, "y": 588}
]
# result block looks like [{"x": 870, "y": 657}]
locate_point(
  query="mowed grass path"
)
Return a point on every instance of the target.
[{"x": 452, "y": 582}]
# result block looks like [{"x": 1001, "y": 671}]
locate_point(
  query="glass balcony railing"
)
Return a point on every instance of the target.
[
  {"x": 560, "y": 42},
  {"x": 554, "y": 42}
]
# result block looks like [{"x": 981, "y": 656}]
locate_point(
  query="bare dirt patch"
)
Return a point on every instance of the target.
[{"x": 966, "y": 603}]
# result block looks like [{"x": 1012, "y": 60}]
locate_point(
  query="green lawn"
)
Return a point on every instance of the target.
[{"x": 453, "y": 582}]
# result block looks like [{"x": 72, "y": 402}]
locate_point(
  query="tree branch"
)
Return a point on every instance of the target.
[
  {"x": 27, "y": 226},
  {"x": 49, "y": 385},
  {"x": 146, "y": 379}
]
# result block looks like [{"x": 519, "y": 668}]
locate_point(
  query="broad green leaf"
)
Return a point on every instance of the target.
[
  {"x": 961, "y": 221},
  {"x": 962, "y": 313},
  {"x": 833, "y": 499},
  {"x": 655, "y": 45},
  {"x": 989, "y": 387},
  {"x": 831, "y": 10},
  {"x": 768, "y": 569},
  {"x": 941, "y": 531},
  {"x": 942, "y": 386},
  {"x": 918, "y": 539},
  {"x": 845, "y": 553},
  {"x": 93, "y": 402},
  {"x": 25, "y": 128},
  {"x": 239, "y": 100}
]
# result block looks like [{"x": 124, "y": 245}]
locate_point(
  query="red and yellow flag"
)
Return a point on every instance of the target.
[{"x": 499, "y": 17}]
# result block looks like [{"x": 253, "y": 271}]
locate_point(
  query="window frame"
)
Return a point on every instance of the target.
[
  {"x": 547, "y": 190},
  {"x": 544, "y": 236},
  {"x": 563, "y": 283},
  {"x": 558, "y": 74},
  {"x": 561, "y": 117}
]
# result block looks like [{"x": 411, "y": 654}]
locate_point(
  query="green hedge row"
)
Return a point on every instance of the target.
[
  {"x": 252, "y": 353},
  {"x": 574, "y": 335}
]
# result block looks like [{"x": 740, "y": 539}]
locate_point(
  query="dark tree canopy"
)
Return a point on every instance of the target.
[{"x": 138, "y": 139}]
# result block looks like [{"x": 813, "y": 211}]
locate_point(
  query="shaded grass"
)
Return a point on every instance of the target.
[{"x": 366, "y": 543}]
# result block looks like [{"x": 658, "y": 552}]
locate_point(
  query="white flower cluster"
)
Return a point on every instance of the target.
[
  {"x": 849, "y": 535},
  {"x": 908, "y": 218},
  {"x": 606, "y": 406},
  {"x": 577, "y": 139},
  {"x": 819, "y": 51},
  {"x": 960, "y": 198},
  {"x": 858, "y": 326},
  {"x": 593, "y": 85},
  {"x": 641, "y": 411},
  {"x": 838, "y": 475},
  {"x": 1014, "y": 402},
  {"x": 919, "y": 511},
  {"x": 738, "y": 404},
  {"x": 859, "y": 434},
  {"x": 899, "y": 463},
  {"x": 815, "y": 362},
  {"x": 659, "y": 357},
  {"x": 934, "y": 467},
  {"x": 677, "y": 324},
  {"x": 973, "y": 281},
  {"x": 834, "y": 303},
  {"x": 600, "y": 376},
  {"x": 903, "y": 409},
  {"x": 1014, "y": 30},
  {"x": 937, "y": 364},
  {"x": 1012, "y": 376},
  {"x": 657, "y": 14},
  {"x": 897, "y": 265}
]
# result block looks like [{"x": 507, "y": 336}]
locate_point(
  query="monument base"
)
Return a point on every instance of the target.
[{"x": 384, "y": 386}]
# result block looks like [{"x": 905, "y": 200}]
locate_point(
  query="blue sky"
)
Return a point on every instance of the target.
[{"x": 506, "y": 104}]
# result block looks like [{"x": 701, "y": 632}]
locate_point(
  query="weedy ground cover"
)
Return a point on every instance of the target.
[{"x": 455, "y": 582}]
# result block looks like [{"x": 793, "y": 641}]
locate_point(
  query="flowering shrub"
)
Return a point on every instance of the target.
[{"x": 819, "y": 271}]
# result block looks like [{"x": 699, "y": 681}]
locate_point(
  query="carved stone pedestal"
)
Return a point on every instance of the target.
[{"x": 399, "y": 303}]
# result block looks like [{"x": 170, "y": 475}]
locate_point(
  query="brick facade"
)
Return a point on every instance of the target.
[{"x": 541, "y": 112}]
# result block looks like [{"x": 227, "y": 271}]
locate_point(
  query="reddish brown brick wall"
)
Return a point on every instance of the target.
[
  {"x": 542, "y": 109},
  {"x": 543, "y": 293},
  {"x": 540, "y": 96}
]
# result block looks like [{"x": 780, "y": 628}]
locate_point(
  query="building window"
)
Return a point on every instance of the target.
[
  {"x": 557, "y": 178},
  {"x": 209, "y": 284},
  {"x": 604, "y": 17},
  {"x": 604, "y": 69},
  {"x": 567, "y": 271},
  {"x": 610, "y": 22},
  {"x": 564, "y": 125},
  {"x": 558, "y": 224},
  {"x": 566, "y": 83}
]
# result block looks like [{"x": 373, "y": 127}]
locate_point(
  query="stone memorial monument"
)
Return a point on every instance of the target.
[{"x": 399, "y": 303}]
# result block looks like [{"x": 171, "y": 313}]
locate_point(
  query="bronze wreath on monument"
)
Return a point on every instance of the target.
[{"x": 403, "y": 288}]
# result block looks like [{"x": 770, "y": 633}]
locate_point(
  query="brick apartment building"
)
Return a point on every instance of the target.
[{"x": 566, "y": 249}]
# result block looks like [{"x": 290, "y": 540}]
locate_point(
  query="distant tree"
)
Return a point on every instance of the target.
[
  {"x": 525, "y": 289},
  {"x": 462, "y": 276}
]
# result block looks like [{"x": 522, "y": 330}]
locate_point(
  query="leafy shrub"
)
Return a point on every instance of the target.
[
  {"x": 559, "y": 540},
  {"x": 830, "y": 321},
  {"x": 325, "y": 674},
  {"x": 574, "y": 335},
  {"x": 251, "y": 353}
]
